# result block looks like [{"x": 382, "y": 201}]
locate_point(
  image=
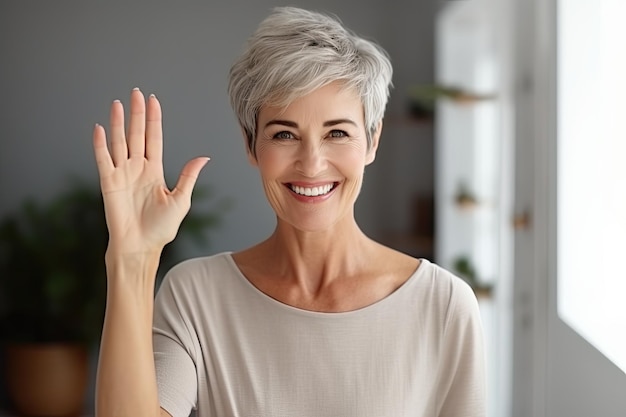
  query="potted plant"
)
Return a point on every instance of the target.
[
  {"x": 464, "y": 198},
  {"x": 465, "y": 269},
  {"x": 52, "y": 294}
]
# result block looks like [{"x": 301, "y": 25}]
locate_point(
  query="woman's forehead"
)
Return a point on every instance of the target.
[{"x": 332, "y": 101}]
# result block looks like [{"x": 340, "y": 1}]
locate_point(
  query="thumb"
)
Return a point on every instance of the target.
[{"x": 189, "y": 175}]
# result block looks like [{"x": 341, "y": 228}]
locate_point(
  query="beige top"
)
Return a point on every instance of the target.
[{"x": 226, "y": 349}]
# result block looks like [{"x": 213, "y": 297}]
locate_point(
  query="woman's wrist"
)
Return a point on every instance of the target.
[{"x": 138, "y": 266}]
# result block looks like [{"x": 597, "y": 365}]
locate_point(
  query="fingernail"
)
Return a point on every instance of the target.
[
  {"x": 116, "y": 101},
  {"x": 136, "y": 89},
  {"x": 152, "y": 95}
]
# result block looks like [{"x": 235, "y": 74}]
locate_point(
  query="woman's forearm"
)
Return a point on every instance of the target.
[
  {"x": 126, "y": 380},
  {"x": 143, "y": 215}
]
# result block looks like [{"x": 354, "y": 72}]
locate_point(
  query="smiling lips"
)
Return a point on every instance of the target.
[{"x": 312, "y": 191}]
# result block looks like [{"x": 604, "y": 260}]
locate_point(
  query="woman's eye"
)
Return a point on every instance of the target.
[
  {"x": 283, "y": 135},
  {"x": 337, "y": 134}
]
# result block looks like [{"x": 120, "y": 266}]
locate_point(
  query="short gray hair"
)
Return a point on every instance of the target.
[{"x": 294, "y": 52}]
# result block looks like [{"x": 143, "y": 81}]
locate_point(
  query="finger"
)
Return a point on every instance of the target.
[
  {"x": 137, "y": 125},
  {"x": 119, "y": 150},
  {"x": 188, "y": 177},
  {"x": 154, "y": 130},
  {"x": 101, "y": 152}
]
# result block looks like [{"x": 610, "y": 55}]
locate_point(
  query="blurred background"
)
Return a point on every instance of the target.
[{"x": 466, "y": 174}]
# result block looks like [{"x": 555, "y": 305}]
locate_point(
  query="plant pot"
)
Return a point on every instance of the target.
[{"x": 47, "y": 380}]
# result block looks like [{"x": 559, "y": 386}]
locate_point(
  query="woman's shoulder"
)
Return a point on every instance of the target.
[
  {"x": 220, "y": 259},
  {"x": 437, "y": 275},
  {"x": 200, "y": 282},
  {"x": 201, "y": 269},
  {"x": 443, "y": 285}
]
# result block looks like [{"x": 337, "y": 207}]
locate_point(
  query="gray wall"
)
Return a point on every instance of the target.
[{"x": 63, "y": 62}]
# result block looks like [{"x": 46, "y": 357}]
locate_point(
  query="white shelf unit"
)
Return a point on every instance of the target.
[{"x": 473, "y": 140}]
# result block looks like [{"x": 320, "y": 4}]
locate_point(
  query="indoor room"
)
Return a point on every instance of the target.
[{"x": 500, "y": 159}]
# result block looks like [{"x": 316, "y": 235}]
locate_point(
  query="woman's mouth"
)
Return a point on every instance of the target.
[{"x": 313, "y": 191}]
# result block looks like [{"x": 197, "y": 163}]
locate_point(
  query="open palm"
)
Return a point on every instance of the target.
[{"x": 142, "y": 213}]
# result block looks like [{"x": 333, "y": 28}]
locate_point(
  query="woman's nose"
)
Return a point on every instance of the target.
[{"x": 311, "y": 160}]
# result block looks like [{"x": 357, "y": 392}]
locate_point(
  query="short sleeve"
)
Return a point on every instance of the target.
[
  {"x": 462, "y": 384},
  {"x": 173, "y": 354}
]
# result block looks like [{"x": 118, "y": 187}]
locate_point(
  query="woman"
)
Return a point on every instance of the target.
[{"x": 316, "y": 320}]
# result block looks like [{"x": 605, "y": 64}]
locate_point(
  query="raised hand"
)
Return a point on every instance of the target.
[{"x": 142, "y": 214}]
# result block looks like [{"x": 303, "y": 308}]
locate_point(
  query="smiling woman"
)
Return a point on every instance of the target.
[
  {"x": 317, "y": 319},
  {"x": 314, "y": 153}
]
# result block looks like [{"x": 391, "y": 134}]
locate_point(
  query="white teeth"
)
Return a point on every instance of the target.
[{"x": 313, "y": 191}]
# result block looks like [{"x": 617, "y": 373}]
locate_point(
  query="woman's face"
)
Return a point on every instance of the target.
[{"x": 311, "y": 156}]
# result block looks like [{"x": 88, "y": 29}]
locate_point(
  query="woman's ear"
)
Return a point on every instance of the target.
[
  {"x": 251, "y": 158},
  {"x": 371, "y": 153}
]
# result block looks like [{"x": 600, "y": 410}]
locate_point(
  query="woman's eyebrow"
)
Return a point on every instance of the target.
[
  {"x": 281, "y": 123},
  {"x": 328, "y": 123},
  {"x": 338, "y": 122}
]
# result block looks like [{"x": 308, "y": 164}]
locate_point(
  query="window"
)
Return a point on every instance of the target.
[{"x": 591, "y": 177}]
